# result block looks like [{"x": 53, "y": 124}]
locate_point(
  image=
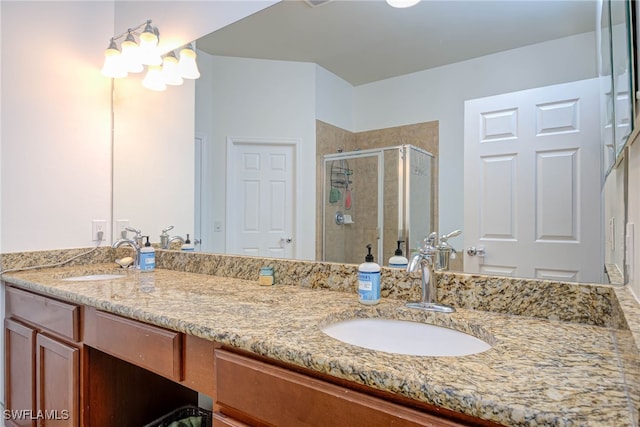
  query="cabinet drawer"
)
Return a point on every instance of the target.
[
  {"x": 221, "y": 420},
  {"x": 259, "y": 393},
  {"x": 149, "y": 347},
  {"x": 59, "y": 317}
]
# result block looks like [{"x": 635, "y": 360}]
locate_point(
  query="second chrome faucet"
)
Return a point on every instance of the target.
[{"x": 165, "y": 240}]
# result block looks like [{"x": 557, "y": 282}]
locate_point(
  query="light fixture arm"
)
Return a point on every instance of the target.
[{"x": 135, "y": 30}]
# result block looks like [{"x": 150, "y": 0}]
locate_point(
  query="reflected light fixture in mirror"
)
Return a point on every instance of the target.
[
  {"x": 402, "y": 3},
  {"x": 160, "y": 71}
]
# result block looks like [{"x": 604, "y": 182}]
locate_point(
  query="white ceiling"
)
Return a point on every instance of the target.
[{"x": 366, "y": 40}]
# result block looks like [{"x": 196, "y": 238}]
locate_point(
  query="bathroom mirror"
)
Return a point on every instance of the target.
[{"x": 553, "y": 42}]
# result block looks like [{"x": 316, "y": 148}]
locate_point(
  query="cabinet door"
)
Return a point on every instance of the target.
[
  {"x": 19, "y": 373},
  {"x": 57, "y": 383}
]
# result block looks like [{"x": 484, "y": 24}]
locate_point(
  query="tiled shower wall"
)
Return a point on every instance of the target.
[{"x": 329, "y": 139}]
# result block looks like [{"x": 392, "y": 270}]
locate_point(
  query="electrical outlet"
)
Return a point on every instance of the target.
[
  {"x": 121, "y": 224},
  {"x": 98, "y": 225}
]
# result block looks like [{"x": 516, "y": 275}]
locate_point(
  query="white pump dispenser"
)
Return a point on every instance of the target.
[{"x": 398, "y": 260}]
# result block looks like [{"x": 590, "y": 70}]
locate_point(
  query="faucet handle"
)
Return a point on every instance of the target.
[
  {"x": 164, "y": 230},
  {"x": 133, "y": 230},
  {"x": 446, "y": 237},
  {"x": 429, "y": 244},
  {"x": 137, "y": 237}
]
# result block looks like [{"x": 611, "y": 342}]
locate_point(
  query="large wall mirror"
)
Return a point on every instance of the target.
[{"x": 295, "y": 82}]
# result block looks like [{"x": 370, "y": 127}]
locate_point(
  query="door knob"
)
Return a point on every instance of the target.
[
  {"x": 473, "y": 251},
  {"x": 285, "y": 241}
]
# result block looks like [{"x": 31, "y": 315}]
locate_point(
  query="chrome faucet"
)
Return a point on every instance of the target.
[
  {"x": 134, "y": 245},
  {"x": 137, "y": 238},
  {"x": 165, "y": 240},
  {"x": 174, "y": 238},
  {"x": 164, "y": 237},
  {"x": 446, "y": 252},
  {"x": 426, "y": 258}
]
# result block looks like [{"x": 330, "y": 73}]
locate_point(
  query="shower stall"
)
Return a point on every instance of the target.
[{"x": 376, "y": 196}]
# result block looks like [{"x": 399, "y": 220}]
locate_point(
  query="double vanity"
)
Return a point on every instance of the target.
[{"x": 555, "y": 353}]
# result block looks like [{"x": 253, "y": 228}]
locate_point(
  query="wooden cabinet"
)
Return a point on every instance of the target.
[
  {"x": 57, "y": 382},
  {"x": 70, "y": 365},
  {"x": 155, "y": 349},
  {"x": 221, "y": 420},
  {"x": 184, "y": 359},
  {"x": 257, "y": 393},
  {"x": 43, "y": 361},
  {"x": 20, "y": 361}
]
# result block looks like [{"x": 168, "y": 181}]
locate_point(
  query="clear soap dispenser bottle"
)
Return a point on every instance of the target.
[{"x": 369, "y": 280}]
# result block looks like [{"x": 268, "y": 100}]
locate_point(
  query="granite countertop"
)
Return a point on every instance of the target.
[{"x": 538, "y": 372}]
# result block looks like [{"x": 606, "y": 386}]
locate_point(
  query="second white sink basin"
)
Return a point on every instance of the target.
[
  {"x": 405, "y": 337},
  {"x": 91, "y": 277}
]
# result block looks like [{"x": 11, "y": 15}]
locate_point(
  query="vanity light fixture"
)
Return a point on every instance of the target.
[
  {"x": 187, "y": 66},
  {"x": 130, "y": 57},
  {"x": 170, "y": 73},
  {"x": 154, "y": 79},
  {"x": 402, "y": 3},
  {"x": 161, "y": 71},
  {"x": 113, "y": 64}
]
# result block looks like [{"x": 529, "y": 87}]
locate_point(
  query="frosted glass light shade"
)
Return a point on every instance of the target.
[
  {"x": 188, "y": 67},
  {"x": 154, "y": 79},
  {"x": 402, "y": 3},
  {"x": 130, "y": 55},
  {"x": 148, "y": 50},
  {"x": 170, "y": 70},
  {"x": 113, "y": 65},
  {"x": 149, "y": 53},
  {"x": 149, "y": 34}
]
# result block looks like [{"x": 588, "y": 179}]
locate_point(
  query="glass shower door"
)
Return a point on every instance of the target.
[
  {"x": 419, "y": 217},
  {"x": 351, "y": 206}
]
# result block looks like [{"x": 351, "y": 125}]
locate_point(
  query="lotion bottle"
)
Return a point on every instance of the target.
[
  {"x": 398, "y": 260},
  {"x": 369, "y": 280},
  {"x": 147, "y": 257}
]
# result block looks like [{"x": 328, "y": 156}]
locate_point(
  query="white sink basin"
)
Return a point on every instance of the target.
[
  {"x": 405, "y": 337},
  {"x": 91, "y": 277}
]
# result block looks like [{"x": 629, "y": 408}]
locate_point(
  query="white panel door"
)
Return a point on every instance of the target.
[
  {"x": 260, "y": 206},
  {"x": 532, "y": 183}
]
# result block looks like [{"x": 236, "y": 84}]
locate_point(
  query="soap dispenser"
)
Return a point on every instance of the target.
[
  {"x": 369, "y": 280},
  {"x": 398, "y": 260},
  {"x": 147, "y": 256},
  {"x": 188, "y": 246}
]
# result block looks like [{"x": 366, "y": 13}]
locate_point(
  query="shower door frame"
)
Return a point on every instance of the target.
[{"x": 405, "y": 191}]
